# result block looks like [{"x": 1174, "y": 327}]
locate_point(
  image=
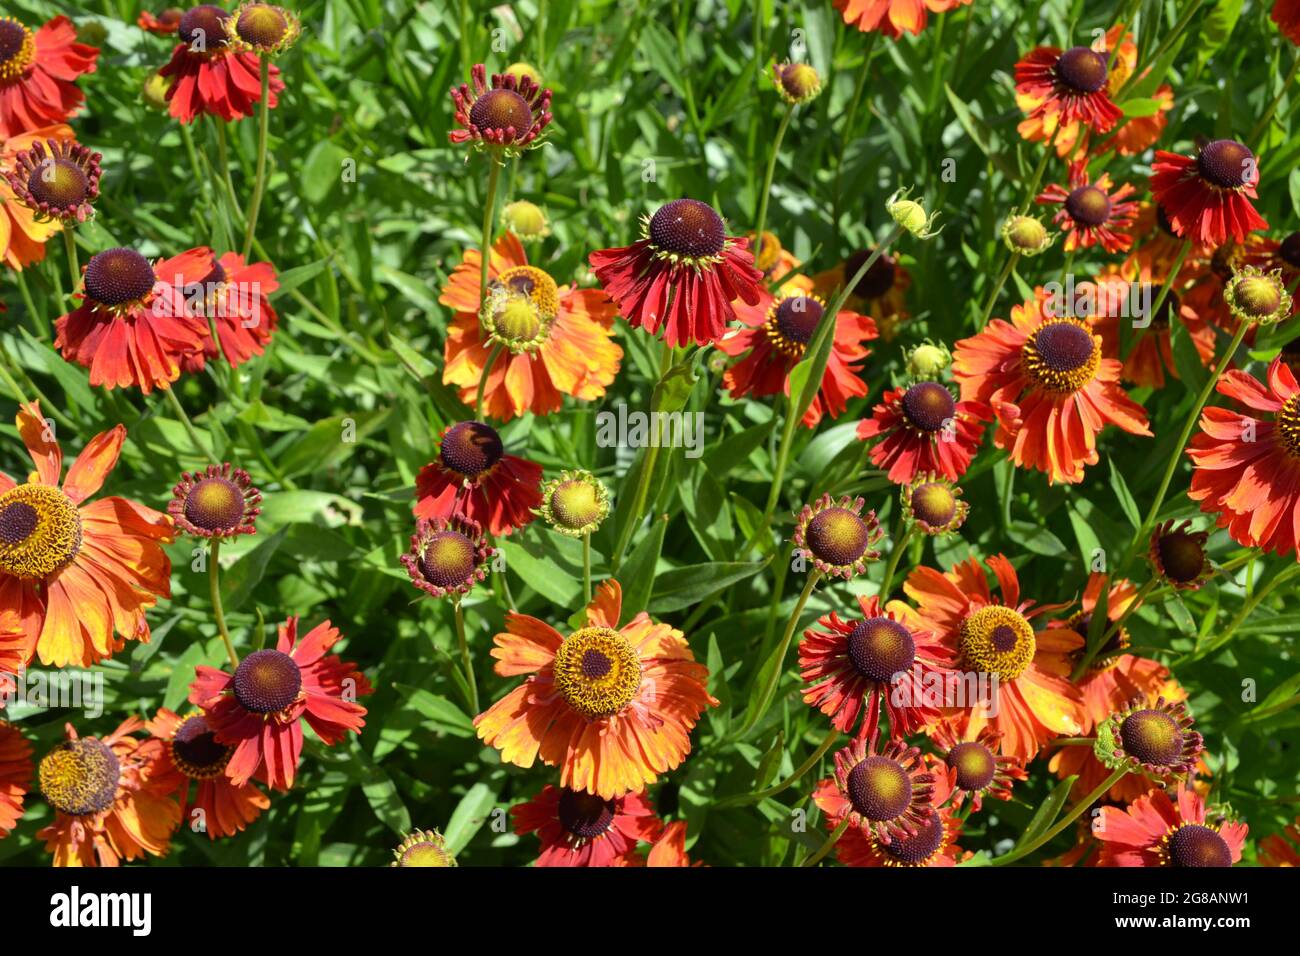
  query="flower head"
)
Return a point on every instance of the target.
[
  {"x": 682, "y": 275},
  {"x": 1257, "y": 297},
  {"x": 1178, "y": 555},
  {"x": 57, "y": 178},
  {"x": 1156, "y": 830},
  {"x": 575, "y": 504},
  {"x": 473, "y": 476},
  {"x": 798, "y": 83},
  {"x": 1153, "y": 739},
  {"x": 933, "y": 504},
  {"x": 886, "y": 792},
  {"x": 212, "y": 76},
  {"x": 923, "y": 429},
  {"x": 892, "y": 18},
  {"x": 1092, "y": 213},
  {"x": 577, "y": 828},
  {"x": 507, "y": 117},
  {"x": 38, "y": 74},
  {"x": 838, "y": 538},
  {"x": 447, "y": 556},
  {"x": 423, "y": 848},
  {"x": 1207, "y": 196},
  {"x": 15, "y": 775},
  {"x": 911, "y": 215},
  {"x": 262, "y": 28},
  {"x": 1067, "y": 86},
  {"x": 234, "y": 299},
  {"x": 525, "y": 220},
  {"x": 977, "y": 767},
  {"x": 166, "y": 22},
  {"x": 218, "y": 502},
  {"x": 1026, "y": 235}
]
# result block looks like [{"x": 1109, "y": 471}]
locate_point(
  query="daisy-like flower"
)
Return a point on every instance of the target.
[
  {"x": 164, "y": 23},
  {"x": 933, "y": 505},
  {"x": 110, "y": 803},
  {"x": 218, "y": 502},
  {"x": 1158, "y": 831},
  {"x": 670, "y": 848},
  {"x": 1247, "y": 467},
  {"x": 924, "y": 430},
  {"x": 423, "y": 848},
  {"x": 558, "y": 340},
  {"x": 77, "y": 571},
  {"x": 38, "y": 74},
  {"x": 1156, "y": 740},
  {"x": 134, "y": 325},
  {"x": 976, "y": 766},
  {"x": 1052, "y": 390},
  {"x": 1034, "y": 702},
  {"x": 771, "y": 258},
  {"x": 777, "y": 331},
  {"x": 893, "y": 18},
  {"x": 1282, "y": 849},
  {"x": 1092, "y": 214},
  {"x": 881, "y": 293},
  {"x": 506, "y": 117},
  {"x": 262, "y": 28},
  {"x": 886, "y": 792},
  {"x": 15, "y": 775},
  {"x": 1067, "y": 87},
  {"x": 23, "y": 229},
  {"x": 235, "y": 299},
  {"x": 1178, "y": 557},
  {"x": 1286, "y": 14},
  {"x": 798, "y": 83},
  {"x": 682, "y": 275},
  {"x": 611, "y": 708},
  {"x": 192, "y": 755},
  {"x": 1256, "y": 297},
  {"x": 56, "y": 179},
  {"x": 581, "y": 829},
  {"x": 933, "y": 844},
  {"x": 260, "y": 708},
  {"x": 1207, "y": 196},
  {"x": 447, "y": 556},
  {"x": 838, "y": 538},
  {"x": 883, "y": 661},
  {"x": 209, "y": 75},
  {"x": 1025, "y": 236},
  {"x": 473, "y": 476},
  {"x": 575, "y": 504}
]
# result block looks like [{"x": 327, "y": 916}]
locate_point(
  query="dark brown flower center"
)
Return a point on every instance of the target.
[
  {"x": 501, "y": 109},
  {"x": 1193, "y": 844},
  {"x": 215, "y": 504},
  {"x": 18, "y": 520},
  {"x": 919, "y": 847},
  {"x": 118, "y": 276},
  {"x": 16, "y": 48},
  {"x": 1088, "y": 205},
  {"x": 585, "y": 815},
  {"x": 204, "y": 27},
  {"x": 1163, "y": 223},
  {"x": 267, "y": 681},
  {"x": 448, "y": 559},
  {"x": 797, "y": 318},
  {"x": 974, "y": 763},
  {"x": 1153, "y": 737},
  {"x": 879, "y": 278},
  {"x": 79, "y": 777},
  {"x": 837, "y": 536},
  {"x": 1289, "y": 250},
  {"x": 195, "y": 750},
  {"x": 879, "y": 788},
  {"x": 688, "y": 228},
  {"x": 928, "y": 406},
  {"x": 1227, "y": 163},
  {"x": 879, "y": 648},
  {"x": 1182, "y": 556},
  {"x": 1082, "y": 69},
  {"x": 1064, "y": 346},
  {"x": 471, "y": 448},
  {"x": 934, "y": 503}
]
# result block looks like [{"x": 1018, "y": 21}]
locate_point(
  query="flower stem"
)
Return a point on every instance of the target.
[
  {"x": 199, "y": 444},
  {"x": 74, "y": 268},
  {"x": 773, "y": 790},
  {"x": 829, "y": 844},
  {"x": 483, "y": 379},
  {"x": 38, "y": 327},
  {"x": 467, "y": 663},
  {"x": 489, "y": 215},
  {"x": 1042, "y": 167},
  {"x": 214, "y": 589},
  {"x": 648, "y": 462},
  {"x": 778, "y": 656},
  {"x": 259, "y": 183},
  {"x": 901, "y": 537},
  {"x": 1065, "y": 821},
  {"x": 586, "y": 568},
  {"x": 1007, "y": 269},
  {"x": 761, "y": 219}
]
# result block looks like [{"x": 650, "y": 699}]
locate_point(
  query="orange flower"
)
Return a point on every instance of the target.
[
  {"x": 893, "y": 17},
  {"x": 670, "y": 848},
  {"x": 558, "y": 339},
  {"x": 22, "y": 234},
  {"x": 881, "y": 293},
  {"x": 109, "y": 805},
  {"x": 236, "y": 300},
  {"x": 1286, "y": 14},
  {"x": 612, "y": 708},
  {"x": 1158, "y": 831},
  {"x": 1281, "y": 850},
  {"x": 1092, "y": 214},
  {"x": 474, "y": 478},
  {"x": 15, "y": 775},
  {"x": 976, "y": 766},
  {"x": 1067, "y": 86},
  {"x": 192, "y": 754},
  {"x": 38, "y": 73},
  {"x": 1050, "y": 386},
  {"x": 931, "y": 845},
  {"x": 76, "y": 573},
  {"x": 1033, "y": 701}
]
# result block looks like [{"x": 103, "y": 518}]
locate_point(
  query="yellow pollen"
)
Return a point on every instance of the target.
[
  {"x": 597, "y": 671},
  {"x": 534, "y": 283},
  {"x": 18, "y": 43},
  {"x": 1288, "y": 425},
  {"x": 40, "y": 531},
  {"x": 997, "y": 640},
  {"x": 1061, "y": 356}
]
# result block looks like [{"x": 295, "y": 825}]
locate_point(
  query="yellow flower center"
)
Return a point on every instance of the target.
[
  {"x": 1288, "y": 425},
  {"x": 79, "y": 777},
  {"x": 261, "y": 25},
  {"x": 598, "y": 672},
  {"x": 575, "y": 504},
  {"x": 1153, "y": 737},
  {"x": 17, "y": 49},
  {"x": 40, "y": 531},
  {"x": 535, "y": 284},
  {"x": 997, "y": 640},
  {"x": 1061, "y": 357},
  {"x": 879, "y": 788}
]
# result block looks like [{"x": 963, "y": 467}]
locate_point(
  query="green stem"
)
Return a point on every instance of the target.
[
  {"x": 1262, "y": 125},
  {"x": 901, "y": 538},
  {"x": 199, "y": 444},
  {"x": 648, "y": 462},
  {"x": 761, "y": 218},
  {"x": 188, "y": 139},
  {"x": 769, "y": 688},
  {"x": 1041, "y": 168},
  {"x": 223, "y": 157},
  {"x": 850, "y": 123},
  {"x": 1169, "y": 40},
  {"x": 467, "y": 662},
  {"x": 773, "y": 790},
  {"x": 1065, "y": 821},
  {"x": 259, "y": 183},
  {"x": 74, "y": 268},
  {"x": 586, "y": 568},
  {"x": 214, "y": 589},
  {"x": 38, "y": 327},
  {"x": 483, "y": 379},
  {"x": 1012, "y": 259},
  {"x": 1092, "y": 648},
  {"x": 829, "y": 844}
]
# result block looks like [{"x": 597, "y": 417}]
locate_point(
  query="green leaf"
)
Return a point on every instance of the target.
[
  {"x": 637, "y": 575},
  {"x": 469, "y": 816},
  {"x": 1047, "y": 812},
  {"x": 1123, "y": 495},
  {"x": 685, "y": 587},
  {"x": 1216, "y": 28},
  {"x": 541, "y": 573}
]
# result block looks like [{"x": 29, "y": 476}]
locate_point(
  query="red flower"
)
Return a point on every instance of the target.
[
  {"x": 260, "y": 708},
  {"x": 683, "y": 274},
  {"x": 933, "y": 844},
  {"x": 193, "y": 755},
  {"x": 510, "y": 114},
  {"x": 134, "y": 325},
  {"x": 1050, "y": 386},
  {"x": 1156, "y": 831},
  {"x": 976, "y": 765},
  {"x": 1286, "y": 14},
  {"x": 925, "y": 431},
  {"x": 1067, "y": 86},
  {"x": 856, "y": 668},
  {"x": 1207, "y": 196},
  {"x": 1247, "y": 468},
  {"x": 473, "y": 476},
  {"x": 38, "y": 74},
  {"x": 1091, "y": 214},
  {"x": 892, "y": 17},
  {"x": 778, "y": 330},
  {"x": 236, "y": 298},
  {"x": 166, "y": 22},
  {"x": 887, "y": 793},
  {"x": 581, "y": 829},
  {"x": 15, "y": 775},
  {"x": 1281, "y": 850},
  {"x": 208, "y": 75}
]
